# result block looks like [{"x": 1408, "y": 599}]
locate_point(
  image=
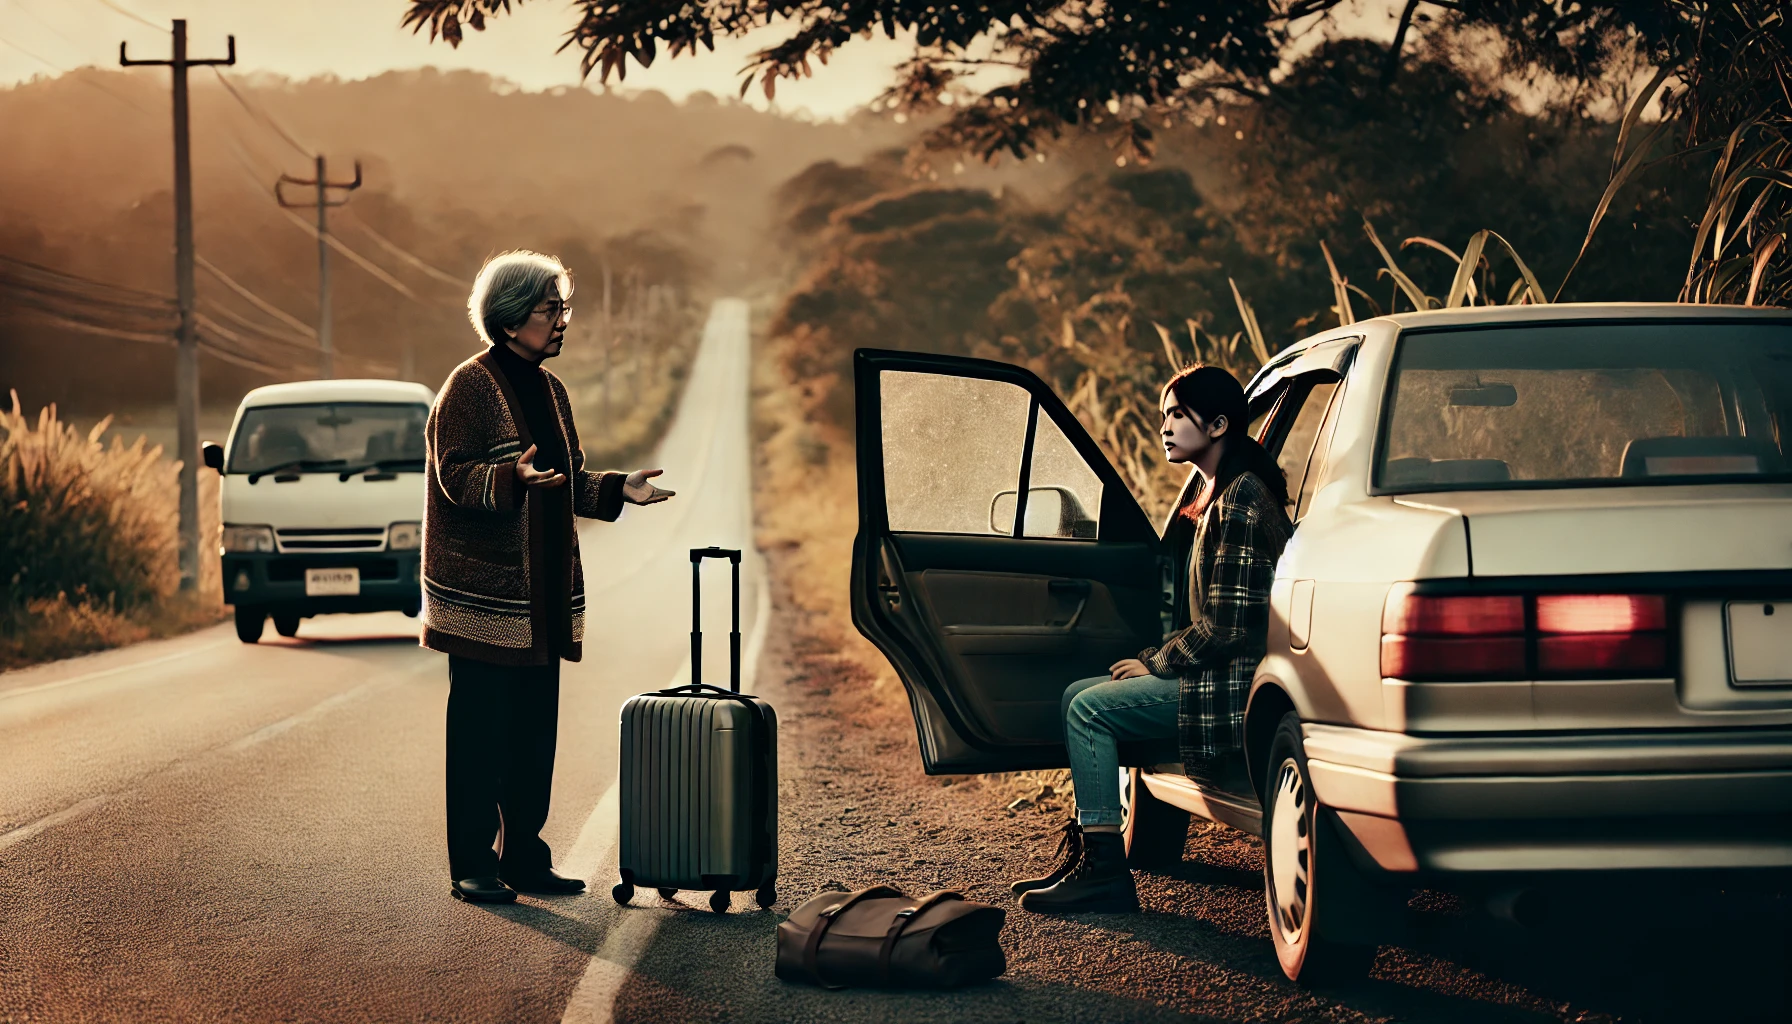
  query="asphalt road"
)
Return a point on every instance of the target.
[{"x": 203, "y": 830}]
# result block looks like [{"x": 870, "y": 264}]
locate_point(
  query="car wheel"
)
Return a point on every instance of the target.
[
  {"x": 249, "y": 620},
  {"x": 1156, "y": 831},
  {"x": 286, "y": 625},
  {"x": 1308, "y": 880}
]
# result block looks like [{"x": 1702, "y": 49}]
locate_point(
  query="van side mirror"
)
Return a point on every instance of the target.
[
  {"x": 212, "y": 454},
  {"x": 1051, "y": 512}
]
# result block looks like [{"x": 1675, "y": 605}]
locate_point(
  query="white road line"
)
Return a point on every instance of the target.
[
  {"x": 62, "y": 817},
  {"x": 593, "y": 1000},
  {"x": 131, "y": 666}
]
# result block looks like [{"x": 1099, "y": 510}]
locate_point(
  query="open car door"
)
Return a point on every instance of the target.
[{"x": 999, "y": 557}]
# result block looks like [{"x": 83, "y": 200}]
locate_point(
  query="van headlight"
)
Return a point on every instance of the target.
[
  {"x": 404, "y": 536},
  {"x": 249, "y": 538}
]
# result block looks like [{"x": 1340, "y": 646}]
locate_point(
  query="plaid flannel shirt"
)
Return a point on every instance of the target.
[{"x": 1232, "y": 562}]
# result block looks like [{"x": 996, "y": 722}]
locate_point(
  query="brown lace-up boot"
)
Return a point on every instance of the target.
[
  {"x": 1101, "y": 883},
  {"x": 1070, "y": 850}
]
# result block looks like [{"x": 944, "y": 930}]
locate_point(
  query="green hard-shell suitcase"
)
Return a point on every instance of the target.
[{"x": 699, "y": 779}]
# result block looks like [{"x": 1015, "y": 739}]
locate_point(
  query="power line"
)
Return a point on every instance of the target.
[
  {"x": 255, "y": 300},
  {"x": 265, "y": 119},
  {"x": 59, "y": 69},
  {"x": 134, "y": 16},
  {"x": 395, "y": 249},
  {"x": 372, "y": 268}
]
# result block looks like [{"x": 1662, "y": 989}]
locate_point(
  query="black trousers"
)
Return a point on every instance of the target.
[{"x": 502, "y": 727}]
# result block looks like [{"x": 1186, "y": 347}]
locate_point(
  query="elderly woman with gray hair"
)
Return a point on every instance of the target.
[{"x": 503, "y": 591}]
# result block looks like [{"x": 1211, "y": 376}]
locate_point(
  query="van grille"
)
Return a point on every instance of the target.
[{"x": 342, "y": 538}]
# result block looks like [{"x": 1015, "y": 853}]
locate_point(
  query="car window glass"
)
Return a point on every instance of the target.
[
  {"x": 950, "y": 446},
  {"x": 1297, "y": 444},
  {"x": 340, "y": 433},
  {"x": 1316, "y": 463},
  {"x": 1064, "y": 494},
  {"x": 1643, "y": 402}
]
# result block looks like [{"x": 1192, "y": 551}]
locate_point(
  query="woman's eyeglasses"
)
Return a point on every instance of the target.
[{"x": 554, "y": 312}]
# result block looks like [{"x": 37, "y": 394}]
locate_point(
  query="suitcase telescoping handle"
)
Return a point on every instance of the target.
[{"x": 697, "y": 557}]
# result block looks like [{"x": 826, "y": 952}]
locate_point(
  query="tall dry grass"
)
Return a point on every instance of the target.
[{"x": 88, "y": 541}]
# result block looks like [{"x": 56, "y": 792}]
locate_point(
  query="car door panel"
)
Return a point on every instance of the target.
[{"x": 986, "y": 630}]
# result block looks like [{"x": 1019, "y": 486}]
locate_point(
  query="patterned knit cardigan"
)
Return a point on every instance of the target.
[
  {"x": 482, "y": 528},
  {"x": 1231, "y": 564}
]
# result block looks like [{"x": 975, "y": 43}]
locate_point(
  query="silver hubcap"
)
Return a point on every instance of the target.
[{"x": 1290, "y": 851}]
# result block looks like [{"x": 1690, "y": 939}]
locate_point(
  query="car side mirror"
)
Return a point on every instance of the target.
[
  {"x": 1051, "y": 512},
  {"x": 212, "y": 454}
]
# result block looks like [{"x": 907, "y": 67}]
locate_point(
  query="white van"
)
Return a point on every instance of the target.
[{"x": 322, "y": 501}]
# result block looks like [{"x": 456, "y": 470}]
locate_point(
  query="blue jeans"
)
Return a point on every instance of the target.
[{"x": 1101, "y": 713}]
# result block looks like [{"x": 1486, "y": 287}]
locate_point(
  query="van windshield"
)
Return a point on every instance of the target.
[
  {"x": 328, "y": 437},
  {"x": 1563, "y": 405}
]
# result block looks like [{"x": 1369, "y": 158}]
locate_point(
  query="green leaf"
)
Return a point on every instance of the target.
[
  {"x": 1258, "y": 346},
  {"x": 1414, "y": 294},
  {"x": 1462, "y": 288},
  {"x": 1340, "y": 289},
  {"x": 1530, "y": 279}
]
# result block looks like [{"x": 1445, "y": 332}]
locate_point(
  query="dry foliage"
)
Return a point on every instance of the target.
[{"x": 88, "y": 541}]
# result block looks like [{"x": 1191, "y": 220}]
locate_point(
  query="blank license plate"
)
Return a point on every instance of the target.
[
  {"x": 332, "y": 582},
  {"x": 1760, "y": 642}
]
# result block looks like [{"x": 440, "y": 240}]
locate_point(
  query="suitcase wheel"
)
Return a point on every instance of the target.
[
  {"x": 623, "y": 892},
  {"x": 719, "y": 900},
  {"x": 766, "y": 896},
  {"x": 667, "y": 892}
]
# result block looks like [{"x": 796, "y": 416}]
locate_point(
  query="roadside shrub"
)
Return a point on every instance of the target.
[
  {"x": 89, "y": 540},
  {"x": 80, "y": 518}
]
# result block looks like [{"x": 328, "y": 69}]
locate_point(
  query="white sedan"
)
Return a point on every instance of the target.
[{"x": 1535, "y": 621}]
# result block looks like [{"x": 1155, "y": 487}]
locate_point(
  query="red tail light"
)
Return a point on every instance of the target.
[
  {"x": 1428, "y": 637},
  {"x": 1581, "y": 634},
  {"x": 1452, "y": 637}
]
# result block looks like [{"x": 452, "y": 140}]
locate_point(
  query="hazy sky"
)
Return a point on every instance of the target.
[{"x": 358, "y": 38}]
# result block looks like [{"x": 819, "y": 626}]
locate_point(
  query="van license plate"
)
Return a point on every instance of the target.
[
  {"x": 1760, "y": 642},
  {"x": 332, "y": 582}
]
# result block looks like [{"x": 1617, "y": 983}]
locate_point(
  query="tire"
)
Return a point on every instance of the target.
[
  {"x": 249, "y": 620},
  {"x": 1309, "y": 883},
  {"x": 1155, "y": 831},
  {"x": 286, "y": 624}
]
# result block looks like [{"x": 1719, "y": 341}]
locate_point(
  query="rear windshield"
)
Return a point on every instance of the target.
[
  {"x": 1555, "y": 405},
  {"x": 332, "y": 436}
]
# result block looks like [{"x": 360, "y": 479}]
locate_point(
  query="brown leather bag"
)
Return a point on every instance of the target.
[{"x": 878, "y": 937}]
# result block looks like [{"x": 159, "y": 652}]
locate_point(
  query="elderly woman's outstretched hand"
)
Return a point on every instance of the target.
[
  {"x": 638, "y": 491},
  {"x": 532, "y": 477}
]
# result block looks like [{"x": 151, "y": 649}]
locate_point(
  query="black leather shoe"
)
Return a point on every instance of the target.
[
  {"x": 483, "y": 890},
  {"x": 544, "y": 883},
  {"x": 1070, "y": 849},
  {"x": 1101, "y": 883}
]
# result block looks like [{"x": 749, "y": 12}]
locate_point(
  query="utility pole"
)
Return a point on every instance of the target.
[
  {"x": 186, "y": 352},
  {"x": 323, "y": 184}
]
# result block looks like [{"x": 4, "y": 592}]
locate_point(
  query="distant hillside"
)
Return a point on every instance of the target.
[{"x": 456, "y": 165}]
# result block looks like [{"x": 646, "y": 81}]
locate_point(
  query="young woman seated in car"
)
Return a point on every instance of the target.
[{"x": 1229, "y": 532}]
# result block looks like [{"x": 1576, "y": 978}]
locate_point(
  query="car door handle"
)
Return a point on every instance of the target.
[{"x": 1065, "y": 590}]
